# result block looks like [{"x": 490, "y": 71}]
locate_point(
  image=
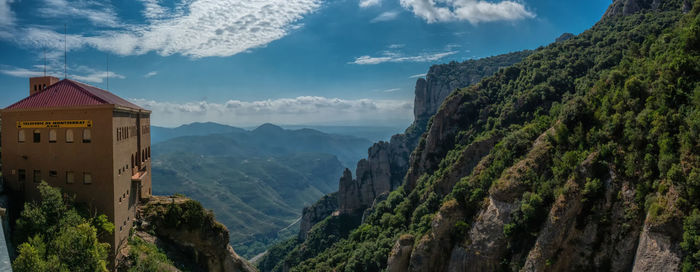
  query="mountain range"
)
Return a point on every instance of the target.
[{"x": 255, "y": 181}]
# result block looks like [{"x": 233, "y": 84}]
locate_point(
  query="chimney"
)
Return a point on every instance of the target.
[{"x": 38, "y": 84}]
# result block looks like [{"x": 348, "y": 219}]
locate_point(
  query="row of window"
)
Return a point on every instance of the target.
[
  {"x": 70, "y": 176},
  {"x": 125, "y": 132},
  {"x": 36, "y": 136}
]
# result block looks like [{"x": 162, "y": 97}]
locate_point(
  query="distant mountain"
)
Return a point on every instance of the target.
[
  {"x": 269, "y": 140},
  {"x": 372, "y": 133},
  {"x": 160, "y": 134},
  {"x": 257, "y": 181}
]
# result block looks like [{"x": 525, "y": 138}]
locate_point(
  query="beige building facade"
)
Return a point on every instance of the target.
[{"x": 84, "y": 140}]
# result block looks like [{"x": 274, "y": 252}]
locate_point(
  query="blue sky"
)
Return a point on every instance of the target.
[{"x": 246, "y": 62}]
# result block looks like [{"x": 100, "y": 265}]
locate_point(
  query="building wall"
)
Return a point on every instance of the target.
[
  {"x": 126, "y": 134},
  {"x": 114, "y": 140},
  {"x": 62, "y": 157}
]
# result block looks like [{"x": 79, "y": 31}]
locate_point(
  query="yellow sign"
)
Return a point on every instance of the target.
[{"x": 55, "y": 124}]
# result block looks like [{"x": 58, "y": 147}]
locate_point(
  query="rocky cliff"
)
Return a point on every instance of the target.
[
  {"x": 387, "y": 162},
  {"x": 584, "y": 157},
  {"x": 386, "y": 165},
  {"x": 189, "y": 235}
]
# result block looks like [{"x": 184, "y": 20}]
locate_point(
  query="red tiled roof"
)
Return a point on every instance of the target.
[{"x": 69, "y": 93}]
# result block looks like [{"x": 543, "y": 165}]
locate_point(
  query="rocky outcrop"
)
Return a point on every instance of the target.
[
  {"x": 380, "y": 173},
  {"x": 317, "y": 212},
  {"x": 185, "y": 226},
  {"x": 657, "y": 252},
  {"x": 387, "y": 162},
  {"x": 400, "y": 254},
  {"x": 430, "y": 251}
]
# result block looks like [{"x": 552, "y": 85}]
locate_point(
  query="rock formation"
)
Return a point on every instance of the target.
[
  {"x": 317, "y": 212},
  {"x": 184, "y": 228}
]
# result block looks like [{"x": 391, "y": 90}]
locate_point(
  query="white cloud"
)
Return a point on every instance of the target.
[
  {"x": 369, "y": 3},
  {"x": 474, "y": 11},
  {"x": 396, "y": 46},
  {"x": 150, "y": 74},
  {"x": 194, "y": 28},
  {"x": 385, "y": 16},
  {"x": 7, "y": 17},
  {"x": 300, "y": 110},
  {"x": 21, "y": 72},
  {"x": 94, "y": 11},
  {"x": 418, "y": 75},
  {"x": 392, "y": 90},
  {"x": 79, "y": 73},
  {"x": 96, "y": 77},
  {"x": 395, "y": 58}
]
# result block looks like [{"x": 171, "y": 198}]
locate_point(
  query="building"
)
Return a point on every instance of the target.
[{"x": 87, "y": 141}]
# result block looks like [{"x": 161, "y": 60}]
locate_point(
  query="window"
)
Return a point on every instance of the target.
[
  {"x": 37, "y": 136},
  {"x": 87, "y": 178},
  {"x": 87, "y": 137},
  {"x": 70, "y": 177},
  {"x": 53, "y": 173},
  {"x": 20, "y": 136},
  {"x": 69, "y": 136},
  {"x": 22, "y": 175},
  {"x": 52, "y": 136},
  {"x": 37, "y": 176}
]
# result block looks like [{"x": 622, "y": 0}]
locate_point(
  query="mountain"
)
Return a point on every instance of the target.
[
  {"x": 372, "y": 133},
  {"x": 160, "y": 134},
  {"x": 385, "y": 166},
  {"x": 267, "y": 140},
  {"x": 258, "y": 181},
  {"x": 584, "y": 156}
]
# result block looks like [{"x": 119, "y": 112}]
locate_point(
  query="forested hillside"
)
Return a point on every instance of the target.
[
  {"x": 255, "y": 181},
  {"x": 584, "y": 156}
]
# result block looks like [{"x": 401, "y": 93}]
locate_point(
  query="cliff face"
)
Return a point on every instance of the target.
[
  {"x": 387, "y": 162},
  {"x": 385, "y": 167},
  {"x": 317, "y": 212},
  {"x": 189, "y": 234},
  {"x": 574, "y": 159}
]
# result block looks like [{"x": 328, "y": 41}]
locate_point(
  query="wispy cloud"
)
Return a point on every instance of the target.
[
  {"x": 395, "y": 58},
  {"x": 418, "y": 75},
  {"x": 80, "y": 73},
  {"x": 97, "y": 12},
  {"x": 194, "y": 28},
  {"x": 392, "y": 90},
  {"x": 369, "y": 3},
  {"x": 299, "y": 110},
  {"x": 396, "y": 46},
  {"x": 473, "y": 11},
  {"x": 20, "y": 72},
  {"x": 150, "y": 74},
  {"x": 385, "y": 16},
  {"x": 97, "y": 76},
  {"x": 7, "y": 17}
]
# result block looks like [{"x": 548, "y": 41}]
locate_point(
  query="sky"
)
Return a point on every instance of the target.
[{"x": 248, "y": 62}]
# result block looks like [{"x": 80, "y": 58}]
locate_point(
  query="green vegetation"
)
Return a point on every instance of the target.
[
  {"x": 146, "y": 257},
  {"x": 621, "y": 97},
  {"x": 256, "y": 182},
  {"x": 54, "y": 235}
]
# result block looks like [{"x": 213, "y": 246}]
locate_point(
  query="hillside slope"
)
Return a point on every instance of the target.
[
  {"x": 385, "y": 166},
  {"x": 257, "y": 182},
  {"x": 584, "y": 156}
]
